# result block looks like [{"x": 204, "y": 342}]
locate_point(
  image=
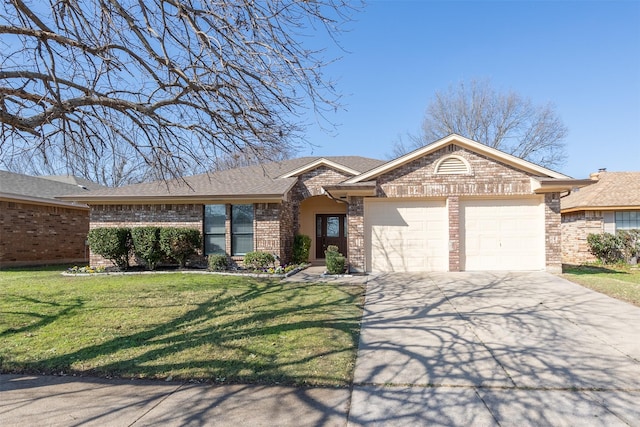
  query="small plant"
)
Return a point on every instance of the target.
[
  {"x": 112, "y": 243},
  {"x": 301, "y": 247},
  {"x": 146, "y": 245},
  {"x": 259, "y": 260},
  {"x": 218, "y": 262},
  {"x": 85, "y": 270},
  {"x": 179, "y": 243},
  {"x": 335, "y": 260}
]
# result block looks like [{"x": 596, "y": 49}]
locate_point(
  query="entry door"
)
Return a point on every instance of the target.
[{"x": 330, "y": 230}]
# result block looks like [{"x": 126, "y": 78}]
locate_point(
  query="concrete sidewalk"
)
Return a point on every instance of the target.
[{"x": 68, "y": 401}]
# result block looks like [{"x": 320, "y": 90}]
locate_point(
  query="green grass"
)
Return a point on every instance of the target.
[
  {"x": 617, "y": 282},
  {"x": 222, "y": 329}
]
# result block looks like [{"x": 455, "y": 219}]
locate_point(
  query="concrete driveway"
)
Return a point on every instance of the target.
[{"x": 495, "y": 349}]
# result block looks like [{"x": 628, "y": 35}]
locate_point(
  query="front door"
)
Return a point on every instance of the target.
[{"x": 331, "y": 230}]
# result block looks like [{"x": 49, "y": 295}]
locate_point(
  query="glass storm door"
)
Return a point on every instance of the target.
[{"x": 331, "y": 230}]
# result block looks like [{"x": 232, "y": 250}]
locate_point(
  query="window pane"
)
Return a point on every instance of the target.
[
  {"x": 214, "y": 244},
  {"x": 214, "y": 219},
  {"x": 628, "y": 220},
  {"x": 242, "y": 243},
  {"x": 333, "y": 226},
  {"x": 242, "y": 219},
  {"x": 318, "y": 226}
]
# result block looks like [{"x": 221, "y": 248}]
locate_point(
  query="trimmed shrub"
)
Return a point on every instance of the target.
[
  {"x": 146, "y": 245},
  {"x": 630, "y": 243},
  {"x": 606, "y": 247},
  {"x": 112, "y": 243},
  {"x": 301, "y": 247},
  {"x": 179, "y": 243},
  {"x": 335, "y": 260},
  {"x": 258, "y": 260},
  {"x": 218, "y": 262}
]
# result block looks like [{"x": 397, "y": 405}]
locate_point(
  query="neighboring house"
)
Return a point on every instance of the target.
[
  {"x": 612, "y": 203},
  {"x": 452, "y": 205},
  {"x": 36, "y": 228}
]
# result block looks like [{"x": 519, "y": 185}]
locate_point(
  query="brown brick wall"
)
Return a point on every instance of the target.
[
  {"x": 487, "y": 177},
  {"x": 453, "y": 208},
  {"x": 553, "y": 233},
  {"x": 267, "y": 229},
  {"x": 163, "y": 215},
  {"x": 355, "y": 234},
  {"x": 576, "y": 226},
  {"x": 32, "y": 234}
]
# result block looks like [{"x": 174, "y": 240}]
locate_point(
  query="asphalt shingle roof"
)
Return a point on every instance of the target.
[
  {"x": 612, "y": 189},
  {"x": 259, "y": 180},
  {"x": 41, "y": 187}
]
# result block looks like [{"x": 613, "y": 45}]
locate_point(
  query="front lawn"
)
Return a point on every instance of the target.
[
  {"x": 178, "y": 326},
  {"x": 617, "y": 282}
]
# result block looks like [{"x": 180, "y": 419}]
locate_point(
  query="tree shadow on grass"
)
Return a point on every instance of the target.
[{"x": 232, "y": 336}]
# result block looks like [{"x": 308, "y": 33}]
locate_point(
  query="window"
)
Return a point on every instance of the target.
[
  {"x": 214, "y": 229},
  {"x": 628, "y": 220},
  {"x": 241, "y": 229}
]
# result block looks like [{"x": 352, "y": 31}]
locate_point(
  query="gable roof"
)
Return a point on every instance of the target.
[
  {"x": 40, "y": 189},
  {"x": 612, "y": 190},
  {"x": 270, "y": 181},
  {"x": 469, "y": 144}
]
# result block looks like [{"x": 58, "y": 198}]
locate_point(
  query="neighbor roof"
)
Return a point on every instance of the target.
[
  {"x": 266, "y": 182},
  {"x": 18, "y": 186},
  {"x": 613, "y": 190}
]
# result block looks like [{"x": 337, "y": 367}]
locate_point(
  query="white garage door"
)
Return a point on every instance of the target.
[
  {"x": 406, "y": 235},
  {"x": 504, "y": 234}
]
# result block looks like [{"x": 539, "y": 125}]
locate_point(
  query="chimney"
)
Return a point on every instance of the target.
[{"x": 595, "y": 176}]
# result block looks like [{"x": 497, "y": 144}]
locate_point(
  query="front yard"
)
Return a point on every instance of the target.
[
  {"x": 617, "y": 282},
  {"x": 177, "y": 326}
]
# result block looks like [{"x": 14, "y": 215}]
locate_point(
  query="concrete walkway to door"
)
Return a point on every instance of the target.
[{"x": 502, "y": 349}]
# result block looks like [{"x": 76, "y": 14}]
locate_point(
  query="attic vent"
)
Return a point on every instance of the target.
[{"x": 452, "y": 165}]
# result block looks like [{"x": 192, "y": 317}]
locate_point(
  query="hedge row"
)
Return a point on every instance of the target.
[{"x": 149, "y": 244}]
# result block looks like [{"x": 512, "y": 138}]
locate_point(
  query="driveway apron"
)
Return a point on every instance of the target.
[{"x": 495, "y": 349}]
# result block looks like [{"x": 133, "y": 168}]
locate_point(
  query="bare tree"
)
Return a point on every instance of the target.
[
  {"x": 506, "y": 121},
  {"x": 172, "y": 83}
]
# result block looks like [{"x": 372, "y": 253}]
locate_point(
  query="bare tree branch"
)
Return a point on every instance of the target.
[
  {"x": 178, "y": 82},
  {"x": 505, "y": 121}
]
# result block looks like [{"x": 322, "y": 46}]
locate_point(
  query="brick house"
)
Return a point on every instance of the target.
[
  {"x": 612, "y": 203},
  {"x": 38, "y": 229},
  {"x": 452, "y": 205}
]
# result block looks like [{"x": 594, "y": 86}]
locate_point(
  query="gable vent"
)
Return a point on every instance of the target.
[{"x": 452, "y": 166}]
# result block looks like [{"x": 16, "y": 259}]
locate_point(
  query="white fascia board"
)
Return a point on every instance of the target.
[
  {"x": 317, "y": 163},
  {"x": 462, "y": 142}
]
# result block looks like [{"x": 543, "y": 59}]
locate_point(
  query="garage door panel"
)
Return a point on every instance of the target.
[
  {"x": 406, "y": 235},
  {"x": 502, "y": 234}
]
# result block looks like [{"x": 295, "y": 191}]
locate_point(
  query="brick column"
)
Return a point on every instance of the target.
[
  {"x": 453, "y": 208},
  {"x": 553, "y": 233},
  {"x": 355, "y": 234}
]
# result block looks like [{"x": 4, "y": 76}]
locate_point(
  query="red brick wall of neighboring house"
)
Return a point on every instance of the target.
[
  {"x": 576, "y": 226},
  {"x": 32, "y": 234},
  {"x": 487, "y": 178}
]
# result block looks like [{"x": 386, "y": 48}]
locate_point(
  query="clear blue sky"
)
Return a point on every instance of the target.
[{"x": 582, "y": 56}]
